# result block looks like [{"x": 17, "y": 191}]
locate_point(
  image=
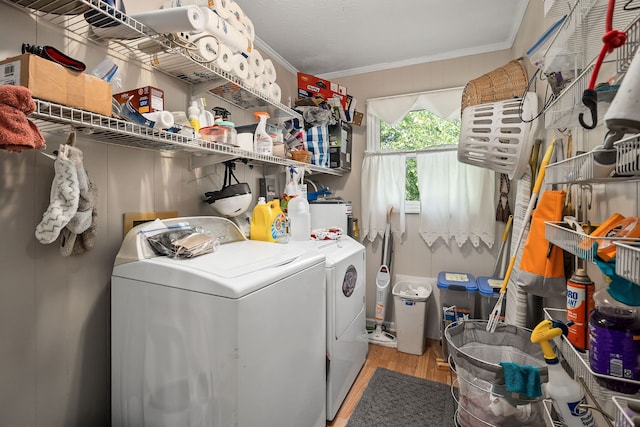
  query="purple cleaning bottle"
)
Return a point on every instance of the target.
[{"x": 614, "y": 340}]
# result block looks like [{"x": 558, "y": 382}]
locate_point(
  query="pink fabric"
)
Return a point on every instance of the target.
[{"x": 17, "y": 131}]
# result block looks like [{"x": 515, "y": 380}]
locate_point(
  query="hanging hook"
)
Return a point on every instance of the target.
[{"x": 590, "y": 100}]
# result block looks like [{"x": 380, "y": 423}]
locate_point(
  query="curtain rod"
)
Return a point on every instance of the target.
[
  {"x": 448, "y": 89},
  {"x": 437, "y": 148}
]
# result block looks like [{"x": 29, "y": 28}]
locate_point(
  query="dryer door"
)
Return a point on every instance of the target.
[{"x": 349, "y": 290}]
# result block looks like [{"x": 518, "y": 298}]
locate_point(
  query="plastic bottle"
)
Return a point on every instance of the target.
[
  {"x": 262, "y": 141},
  {"x": 614, "y": 343},
  {"x": 299, "y": 218},
  {"x": 193, "y": 115},
  {"x": 565, "y": 392},
  {"x": 268, "y": 222}
]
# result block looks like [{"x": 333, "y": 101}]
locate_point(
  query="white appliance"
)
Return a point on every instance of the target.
[
  {"x": 231, "y": 338},
  {"x": 332, "y": 212},
  {"x": 347, "y": 339}
]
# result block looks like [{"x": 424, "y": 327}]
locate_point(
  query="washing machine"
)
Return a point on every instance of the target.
[
  {"x": 236, "y": 337},
  {"x": 347, "y": 339}
]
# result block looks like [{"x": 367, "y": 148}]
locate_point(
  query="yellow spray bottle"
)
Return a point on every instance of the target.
[{"x": 567, "y": 395}]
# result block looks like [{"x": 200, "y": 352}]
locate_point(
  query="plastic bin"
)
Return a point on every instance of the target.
[
  {"x": 458, "y": 293},
  {"x": 410, "y": 305},
  {"x": 489, "y": 292}
]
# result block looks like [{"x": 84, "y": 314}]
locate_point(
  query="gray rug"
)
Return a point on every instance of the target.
[{"x": 393, "y": 399}]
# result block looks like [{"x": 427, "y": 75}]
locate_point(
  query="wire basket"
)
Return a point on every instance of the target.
[
  {"x": 506, "y": 82},
  {"x": 495, "y": 136},
  {"x": 301, "y": 156},
  {"x": 475, "y": 356}
]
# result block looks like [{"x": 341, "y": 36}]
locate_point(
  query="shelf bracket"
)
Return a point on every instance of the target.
[{"x": 200, "y": 161}]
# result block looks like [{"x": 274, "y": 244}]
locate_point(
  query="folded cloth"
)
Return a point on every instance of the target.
[
  {"x": 17, "y": 131},
  {"x": 522, "y": 379}
]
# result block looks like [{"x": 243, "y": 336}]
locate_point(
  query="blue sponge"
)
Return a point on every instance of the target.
[{"x": 522, "y": 379}]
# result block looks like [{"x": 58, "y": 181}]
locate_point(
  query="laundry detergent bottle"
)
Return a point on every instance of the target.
[
  {"x": 614, "y": 334},
  {"x": 268, "y": 222}
]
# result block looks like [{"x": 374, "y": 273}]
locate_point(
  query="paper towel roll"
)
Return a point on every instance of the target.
[
  {"x": 237, "y": 16},
  {"x": 262, "y": 84},
  {"x": 256, "y": 62},
  {"x": 162, "y": 119},
  {"x": 248, "y": 29},
  {"x": 250, "y": 81},
  {"x": 208, "y": 48},
  {"x": 225, "y": 58},
  {"x": 245, "y": 141},
  {"x": 240, "y": 66},
  {"x": 189, "y": 19},
  {"x": 275, "y": 92},
  {"x": 269, "y": 70},
  {"x": 225, "y": 33},
  {"x": 221, "y": 7}
]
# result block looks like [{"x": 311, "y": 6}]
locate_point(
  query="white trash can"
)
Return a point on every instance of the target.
[{"x": 410, "y": 304}]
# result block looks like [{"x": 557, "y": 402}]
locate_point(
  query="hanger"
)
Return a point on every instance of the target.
[{"x": 71, "y": 141}]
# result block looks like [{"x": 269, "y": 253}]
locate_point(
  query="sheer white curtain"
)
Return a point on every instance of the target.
[
  {"x": 383, "y": 185},
  {"x": 457, "y": 201}
]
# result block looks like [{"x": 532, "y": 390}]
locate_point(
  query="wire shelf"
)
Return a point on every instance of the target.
[
  {"x": 577, "y": 242},
  {"x": 628, "y": 261},
  {"x": 51, "y": 117},
  {"x": 580, "y": 38},
  {"x": 628, "y": 156},
  {"x": 621, "y": 404},
  {"x": 573, "y": 51},
  {"x": 583, "y": 168},
  {"x": 579, "y": 363},
  {"x": 151, "y": 50}
]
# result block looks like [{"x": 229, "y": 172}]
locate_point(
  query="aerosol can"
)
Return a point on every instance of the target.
[
  {"x": 580, "y": 291},
  {"x": 568, "y": 398}
]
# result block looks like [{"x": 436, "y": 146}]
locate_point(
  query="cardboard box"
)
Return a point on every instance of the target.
[
  {"x": 310, "y": 86},
  {"x": 50, "y": 81},
  {"x": 145, "y": 99}
]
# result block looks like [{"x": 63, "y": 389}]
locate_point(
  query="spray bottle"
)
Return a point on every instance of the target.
[
  {"x": 298, "y": 209},
  {"x": 262, "y": 142},
  {"x": 567, "y": 395},
  {"x": 193, "y": 114}
]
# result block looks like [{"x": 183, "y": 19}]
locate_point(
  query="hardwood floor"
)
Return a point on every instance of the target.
[{"x": 424, "y": 366}]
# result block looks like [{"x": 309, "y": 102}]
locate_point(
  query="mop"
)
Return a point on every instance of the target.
[
  {"x": 495, "y": 313},
  {"x": 383, "y": 278}
]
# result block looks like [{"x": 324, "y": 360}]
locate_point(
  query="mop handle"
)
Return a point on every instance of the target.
[{"x": 527, "y": 215}]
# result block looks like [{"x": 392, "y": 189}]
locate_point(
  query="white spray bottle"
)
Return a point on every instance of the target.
[{"x": 567, "y": 395}]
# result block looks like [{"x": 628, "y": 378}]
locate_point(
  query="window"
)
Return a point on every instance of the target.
[
  {"x": 418, "y": 130},
  {"x": 411, "y": 165}
]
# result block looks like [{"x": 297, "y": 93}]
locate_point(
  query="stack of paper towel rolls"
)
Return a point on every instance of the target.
[{"x": 231, "y": 47}]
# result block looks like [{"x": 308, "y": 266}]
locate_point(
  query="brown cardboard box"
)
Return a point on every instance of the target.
[
  {"x": 145, "y": 99},
  {"x": 50, "y": 81}
]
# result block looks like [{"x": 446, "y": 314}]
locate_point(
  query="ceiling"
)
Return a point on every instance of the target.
[{"x": 334, "y": 38}]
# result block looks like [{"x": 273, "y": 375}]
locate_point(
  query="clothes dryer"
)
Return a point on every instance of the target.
[
  {"x": 231, "y": 338},
  {"x": 347, "y": 339}
]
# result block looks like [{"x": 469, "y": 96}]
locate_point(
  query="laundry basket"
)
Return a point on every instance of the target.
[
  {"x": 508, "y": 81},
  {"x": 475, "y": 355},
  {"x": 495, "y": 136}
]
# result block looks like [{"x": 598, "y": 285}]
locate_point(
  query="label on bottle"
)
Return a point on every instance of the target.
[
  {"x": 279, "y": 227},
  {"x": 614, "y": 353}
]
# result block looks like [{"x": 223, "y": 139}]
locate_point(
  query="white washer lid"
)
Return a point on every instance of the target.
[{"x": 234, "y": 270}]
